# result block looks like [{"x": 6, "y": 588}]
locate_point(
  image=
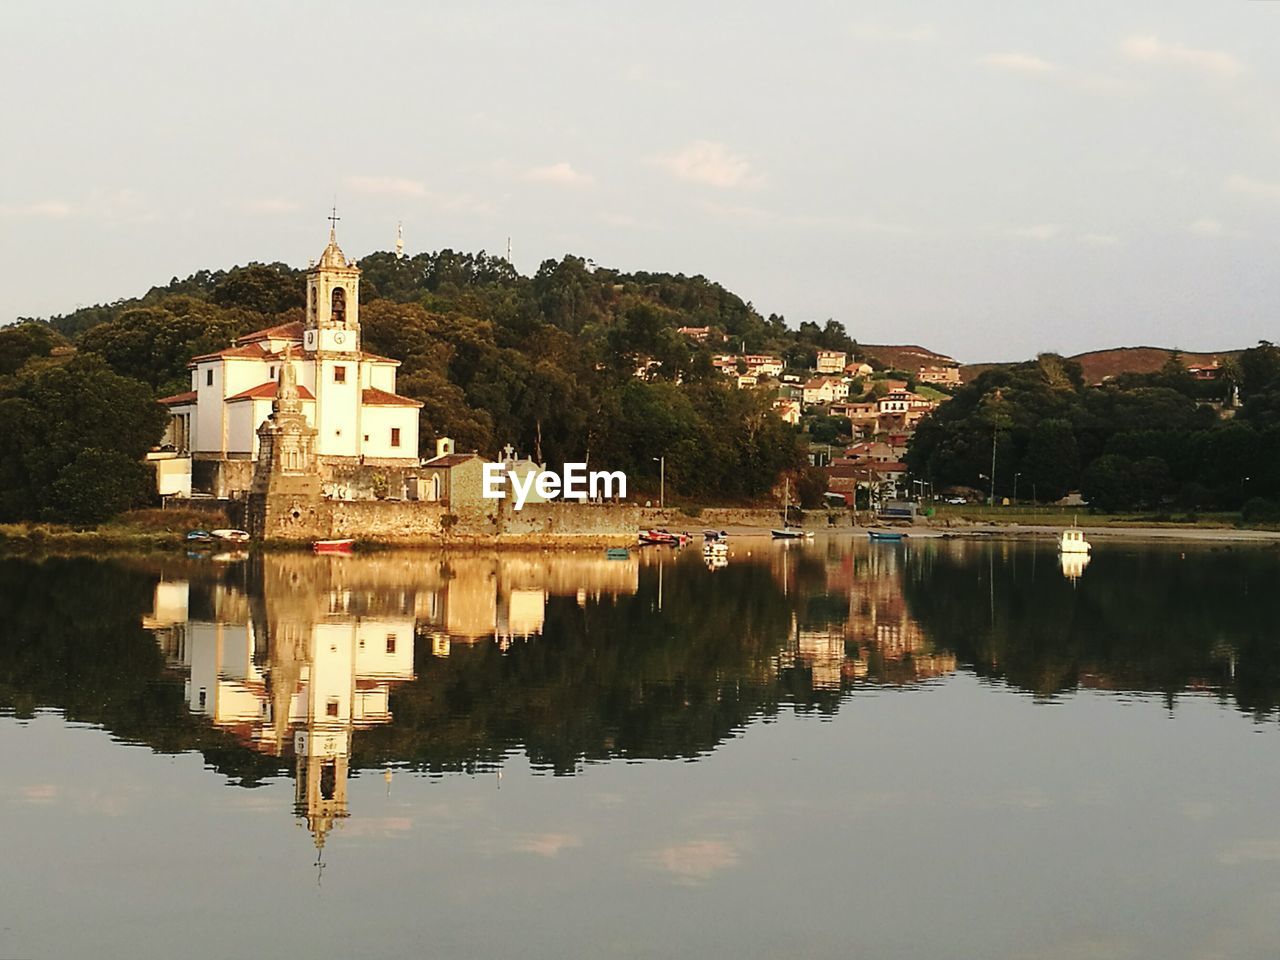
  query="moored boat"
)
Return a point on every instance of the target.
[
  {"x": 1072, "y": 541},
  {"x": 792, "y": 533},
  {"x": 231, "y": 536},
  {"x": 334, "y": 546},
  {"x": 199, "y": 536},
  {"x": 617, "y": 553},
  {"x": 892, "y": 536}
]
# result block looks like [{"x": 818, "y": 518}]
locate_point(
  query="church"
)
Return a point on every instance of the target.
[{"x": 347, "y": 395}]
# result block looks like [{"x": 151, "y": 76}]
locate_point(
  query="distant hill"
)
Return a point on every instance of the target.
[
  {"x": 1100, "y": 364},
  {"x": 906, "y": 357}
]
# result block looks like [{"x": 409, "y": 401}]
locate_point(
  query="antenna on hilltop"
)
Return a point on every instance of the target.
[
  {"x": 399, "y": 240},
  {"x": 508, "y": 250}
]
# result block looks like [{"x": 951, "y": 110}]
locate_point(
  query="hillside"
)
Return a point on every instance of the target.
[
  {"x": 907, "y": 357},
  {"x": 1098, "y": 365}
]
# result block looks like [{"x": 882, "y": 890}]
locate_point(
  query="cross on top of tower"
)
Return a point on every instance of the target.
[{"x": 333, "y": 217}]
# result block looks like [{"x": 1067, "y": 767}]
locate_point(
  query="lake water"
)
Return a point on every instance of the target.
[{"x": 932, "y": 749}]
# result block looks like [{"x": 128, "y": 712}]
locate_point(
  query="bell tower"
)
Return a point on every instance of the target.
[{"x": 333, "y": 300}]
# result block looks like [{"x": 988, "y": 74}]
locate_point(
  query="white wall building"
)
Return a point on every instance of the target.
[{"x": 347, "y": 394}]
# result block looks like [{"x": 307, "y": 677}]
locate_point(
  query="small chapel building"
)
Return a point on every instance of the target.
[{"x": 347, "y": 394}]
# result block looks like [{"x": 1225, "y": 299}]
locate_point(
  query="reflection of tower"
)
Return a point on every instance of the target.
[{"x": 320, "y": 793}]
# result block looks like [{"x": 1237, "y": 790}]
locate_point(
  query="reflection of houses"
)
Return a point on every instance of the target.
[
  {"x": 877, "y": 640},
  {"x": 503, "y": 596}
]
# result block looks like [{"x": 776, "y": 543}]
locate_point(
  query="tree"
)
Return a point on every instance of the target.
[
  {"x": 50, "y": 417},
  {"x": 1109, "y": 483},
  {"x": 97, "y": 485},
  {"x": 1052, "y": 462}
]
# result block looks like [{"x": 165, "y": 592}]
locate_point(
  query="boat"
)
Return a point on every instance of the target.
[
  {"x": 334, "y": 546},
  {"x": 231, "y": 536},
  {"x": 715, "y": 536},
  {"x": 662, "y": 537},
  {"x": 893, "y": 536},
  {"x": 617, "y": 553},
  {"x": 786, "y": 531},
  {"x": 792, "y": 533},
  {"x": 199, "y": 536},
  {"x": 1072, "y": 541}
]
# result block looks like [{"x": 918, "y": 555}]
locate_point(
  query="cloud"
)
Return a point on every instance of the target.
[
  {"x": 1040, "y": 231},
  {"x": 271, "y": 205},
  {"x": 559, "y": 173},
  {"x": 39, "y": 210},
  {"x": 548, "y": 844},
  {"x": 879, "y": 33},
  {"x": 1017, "y": 63},
  {"x": 1207, "y": 227},
  {"x": 1100, "y": 239},
  {"x": 394, "y": 186},
  {"x": 696, "y": 860},
  {"x": 1154, "y": 50},
  {"x": 709, "y": 162},
  {"x": 1261, "y": 189},
  {"x": 1251, "y": 851}
]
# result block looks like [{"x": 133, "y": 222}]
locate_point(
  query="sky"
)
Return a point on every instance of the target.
[{"x": 986, "y": 179}]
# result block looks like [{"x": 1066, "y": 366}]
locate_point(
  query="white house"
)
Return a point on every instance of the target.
[
  {"x": 348, "y": 394},
  {"x": 825, "y": 390},
  {"x": 832, "y": 361}
]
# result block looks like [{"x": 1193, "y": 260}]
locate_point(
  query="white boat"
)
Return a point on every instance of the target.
[
  {"x": 1073, "y": 541},
  {"x": 230, "y": 536}
]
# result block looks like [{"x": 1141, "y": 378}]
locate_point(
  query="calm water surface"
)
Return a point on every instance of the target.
[{"x": 934, "y": 749}]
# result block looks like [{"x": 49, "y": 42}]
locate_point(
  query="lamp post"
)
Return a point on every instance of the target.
[
  {"x": 1015, "y": 487},
  {"x": 662, "y": 480}
]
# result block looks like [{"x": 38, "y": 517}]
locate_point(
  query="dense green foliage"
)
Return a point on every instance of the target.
[
  {"x": 547, "y": 363},
  {"x": 1137, "y": 441},
  {"x": 72, "y": 438}
]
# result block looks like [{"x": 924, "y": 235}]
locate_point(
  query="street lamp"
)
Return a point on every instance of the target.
[
  {"x": 662, "y": 480},
  {"x": 1015, "y": 487}
]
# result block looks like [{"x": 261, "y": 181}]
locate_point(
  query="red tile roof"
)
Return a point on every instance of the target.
[
  {"x": 365, "y": 355},
  {"x": 250, "y": 351},
  {"x": 178, "y": 399},
  {"x": 267, "y": 391},
  {"x": 373, "y": 397},
  {"x": 284, "y": 331}
]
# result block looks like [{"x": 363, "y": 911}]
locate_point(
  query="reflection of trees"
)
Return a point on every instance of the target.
[
  {"x": 610, "y": 678},
  {"x": 1141, "y": 619},
  {"x": 71, "y": 638}
]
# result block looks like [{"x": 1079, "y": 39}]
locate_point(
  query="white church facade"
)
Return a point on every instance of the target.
[{"x": 347, "y": 394}]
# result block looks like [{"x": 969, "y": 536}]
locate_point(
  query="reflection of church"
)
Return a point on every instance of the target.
[
  {"x": 306, "y": 654},
  {"x": 296, "y": 670}
]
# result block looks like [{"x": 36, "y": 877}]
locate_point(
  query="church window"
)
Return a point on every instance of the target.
[
  {"x": 339, "y": 306},
  {"x": 391, "y": 643},
  {"x": 204, "y": 697},
  {"x": 208, "y": 377},
  {"x": 271, "y": 373},
  {"x": 331, "y": 708},
  {"x": 395, "y": 436},
  {"x": 339, "y": 374}
]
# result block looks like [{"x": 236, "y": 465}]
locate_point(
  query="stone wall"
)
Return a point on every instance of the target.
[{"x": 282, "y": 517}]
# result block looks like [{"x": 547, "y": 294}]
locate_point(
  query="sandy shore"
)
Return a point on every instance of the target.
[{"x": 1018, "y": 532}]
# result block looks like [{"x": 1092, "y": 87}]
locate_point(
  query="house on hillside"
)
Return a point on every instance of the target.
[
  {"x": 824, "y": 390},
  {"x": 832, "y": 361}
]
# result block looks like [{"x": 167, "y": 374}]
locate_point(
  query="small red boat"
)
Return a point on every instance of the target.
[{"x": 333, "y": 546}]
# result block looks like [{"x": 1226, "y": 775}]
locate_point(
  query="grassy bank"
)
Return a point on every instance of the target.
[
  {"x": 1045, "y": 515},
  {"x": 136, "y": 530}
]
